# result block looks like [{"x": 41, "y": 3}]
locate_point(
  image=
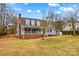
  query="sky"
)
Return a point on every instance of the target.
[{"x": 34, "y": 10}]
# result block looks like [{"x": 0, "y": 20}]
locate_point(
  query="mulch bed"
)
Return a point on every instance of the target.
[
  {"x": 30, "y": 36},
  {"x": 24, "y": 36}
]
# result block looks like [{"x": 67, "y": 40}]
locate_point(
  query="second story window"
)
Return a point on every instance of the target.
[
  {"x": 38, "y": 23},
  {"x": 33, "y": 22},
  {"x": 27, "y": 22}
]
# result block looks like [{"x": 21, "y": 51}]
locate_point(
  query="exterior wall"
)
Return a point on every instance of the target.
[
  {"x": 77, "y": 26},
  {"x": 50, "y": 30},
  {"x": 9, "y": 29},
  {"x": 53, "y": 32},
  {"x": 67, "y": 27}
]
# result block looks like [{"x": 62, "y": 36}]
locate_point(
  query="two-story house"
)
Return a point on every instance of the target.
[{"x": 32, "y": 26}]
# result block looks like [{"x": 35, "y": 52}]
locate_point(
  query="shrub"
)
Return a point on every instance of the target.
[
  {"x": 70, "y": 32},
  {"x": 2, "y": 31},
  {"x": 77, "y": 32}
]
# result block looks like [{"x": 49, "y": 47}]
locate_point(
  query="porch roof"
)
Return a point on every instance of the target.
[{"x": 25, "y": 26}]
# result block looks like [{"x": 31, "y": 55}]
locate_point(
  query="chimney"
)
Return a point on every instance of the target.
[
  {"x": 19, "y": 26},
  {"x": 20, "y": 19}
]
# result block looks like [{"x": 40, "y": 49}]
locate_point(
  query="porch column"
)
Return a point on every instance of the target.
[{"x": 30, "y": 30}]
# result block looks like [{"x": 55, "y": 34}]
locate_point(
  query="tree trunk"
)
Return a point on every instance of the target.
[
  {"x": 43, "y": 34},
  {"x": 73, "y": 26},
  {"x": 74, "y": 29}
]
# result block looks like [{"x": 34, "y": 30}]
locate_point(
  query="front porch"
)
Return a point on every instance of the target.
[{"x": 31, "y": 30}]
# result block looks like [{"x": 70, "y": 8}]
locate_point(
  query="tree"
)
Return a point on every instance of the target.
[
  {"x": 54, "y": 21},
  {"x": 44, "y": 23},
  {"x": 7, "y": 16},
  {"x": 49, "y": 17},
  {"x": 73, "y": 17},
  {"x": 59, "y": 22}
]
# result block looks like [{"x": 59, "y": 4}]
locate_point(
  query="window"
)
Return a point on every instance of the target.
[
  {"x": 32, "y": 22},
  {"x": 38, "y": 23},
  {"x": 27, "y": 22},
  {"x": 50, "y": 30}
]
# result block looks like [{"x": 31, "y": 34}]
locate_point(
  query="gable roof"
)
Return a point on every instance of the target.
[{"x": 24, "y": 20}]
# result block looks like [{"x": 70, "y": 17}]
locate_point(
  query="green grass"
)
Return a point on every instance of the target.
[{"x": 55, "y": 46}]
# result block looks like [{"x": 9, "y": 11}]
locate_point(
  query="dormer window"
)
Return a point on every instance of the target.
[
  {"x": 38, "y": 23},
  {"x": 33, "y": 22},
  {"x": 27, "y": 22}
]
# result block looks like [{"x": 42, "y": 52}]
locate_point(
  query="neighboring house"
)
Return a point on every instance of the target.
[
  {"x": 32, "y": 26},
  {"x": 10, "y": 28},
  {"x": 68, "y": 26}
]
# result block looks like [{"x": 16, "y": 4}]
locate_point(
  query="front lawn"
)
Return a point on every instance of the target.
[{"x": 52, "y": 46}]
